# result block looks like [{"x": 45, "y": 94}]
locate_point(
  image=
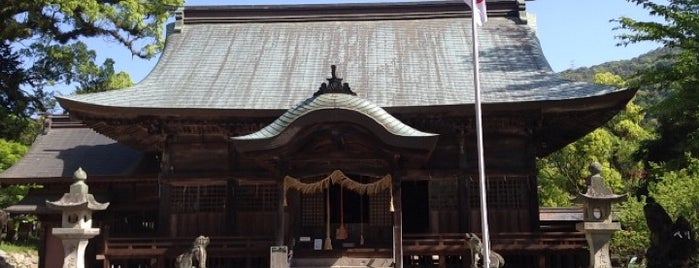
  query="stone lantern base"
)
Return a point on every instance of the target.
[
  {"x": 598, "y": 235},
  {"x": 74, "y": 244}
]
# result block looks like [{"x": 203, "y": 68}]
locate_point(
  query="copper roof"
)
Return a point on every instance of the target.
[
  {"x": 337, "y": 101},
  {"x": 395, "y": 55}
]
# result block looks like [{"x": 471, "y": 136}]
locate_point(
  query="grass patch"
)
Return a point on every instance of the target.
[{"x": 30, "y": 246}]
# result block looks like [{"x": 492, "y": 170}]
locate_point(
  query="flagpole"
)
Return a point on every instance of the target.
[{"x": 479, "y": 138}]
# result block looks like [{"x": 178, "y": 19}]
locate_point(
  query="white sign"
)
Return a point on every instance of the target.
[{"x": 278, "y": 257}]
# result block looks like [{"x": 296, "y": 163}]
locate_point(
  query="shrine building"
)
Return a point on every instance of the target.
[{"x": 346, "y": 132}]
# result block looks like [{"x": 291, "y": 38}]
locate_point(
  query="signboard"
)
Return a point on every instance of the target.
[{"x": 278, "y": 257}]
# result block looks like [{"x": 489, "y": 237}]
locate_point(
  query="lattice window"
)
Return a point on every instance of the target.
[
  {"x": 502, "y": 192},
  {"x": 198, "y": 198},
  {"x": 134, "y": 223},
  {"x": 256, "y": 197},
  {"x": 313, "y": 212},
  {"x": 444, "y": 194},
  {"x": 379, "y": 214}
]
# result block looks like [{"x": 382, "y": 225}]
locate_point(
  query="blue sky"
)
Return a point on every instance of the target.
[{"x": 573, "y": 33}]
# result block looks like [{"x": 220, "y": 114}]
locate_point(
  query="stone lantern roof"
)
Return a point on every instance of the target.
[
  {"x": 597, "y": 189},
  {"x": 78, "y": 198}
]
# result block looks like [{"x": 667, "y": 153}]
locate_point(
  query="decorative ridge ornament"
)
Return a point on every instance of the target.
[{"x": 334, "y": 85}]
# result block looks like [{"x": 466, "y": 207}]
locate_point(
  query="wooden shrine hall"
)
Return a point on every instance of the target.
[{"x": 243, "y": 132}]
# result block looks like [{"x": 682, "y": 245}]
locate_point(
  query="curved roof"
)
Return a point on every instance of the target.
[
  {"x": 336, "y": 101},
  {"x": 334, "y": 109},
  {"x": 397, "y": 59}
]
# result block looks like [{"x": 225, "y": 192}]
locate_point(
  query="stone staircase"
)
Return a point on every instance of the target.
[{"x": 343, "y": 262}]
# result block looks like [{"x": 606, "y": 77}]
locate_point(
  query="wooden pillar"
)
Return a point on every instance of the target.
[
  {"x": 280, "y": 211},
  {"x": 542, "y": 260},
  {"x": 397, "y": 217},
  {"x": 442, "y": 261},
  {"x": 45, "y": 230},
  {"x": 464, "y": 206},
  {"x": 164, "y": 209},
  {"x": 232, "y": 184},
  {"x": 166, "y": 169},
  {"x": 533, "y": 195},
  {"x": 231, "y": 208}
]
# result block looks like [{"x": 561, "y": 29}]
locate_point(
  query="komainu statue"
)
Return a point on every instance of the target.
[
  {"x": 672, "y": 244},
  {"x": 196, "y": 252},
  {"x": 496, "y": 260}
]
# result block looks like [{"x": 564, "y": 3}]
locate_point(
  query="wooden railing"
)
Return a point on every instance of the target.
[
  {"x": 539, "y": 241},
  {"x": 218, "y": 246},
  {"x": 447, "y": 243}
]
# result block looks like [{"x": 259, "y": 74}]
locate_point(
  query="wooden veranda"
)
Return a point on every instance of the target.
[{"x": 419, "y": 250}]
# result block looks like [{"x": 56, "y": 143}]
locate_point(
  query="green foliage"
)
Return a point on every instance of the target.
[
  {"x": 136, "y": 24},
  {"x": 634, "y": 237},
  {"x": 552, "y": 190},
  {"x": 648, "y": 94},
  {"x": 20, "y": 129},
  {"x": 40, "y": 46},
  {"x": 19, "y": 247},
  {"x": 677, "y": 191},
  {"x": 680, "y": 29},
  {"x": 678, "y": 114},
  {"x": 104, "y": 78},
  {"x": 10, "y": 152},
  {"x": 15, "y": 105},
  {"x": 675, "y": 182},
  {"x": 13, "y": 193},
  {"x": 610, "y": 79},
  {"x": 562, "y": 173}
]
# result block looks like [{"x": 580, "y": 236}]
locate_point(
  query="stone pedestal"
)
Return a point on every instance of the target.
[
  {"x": 74, "y": 244},
  {"x": 76, "y": 224},
  {"x": 598, "y": 235}
]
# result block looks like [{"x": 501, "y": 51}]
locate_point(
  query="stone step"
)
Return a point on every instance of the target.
[{"x": 343, "y": 262}]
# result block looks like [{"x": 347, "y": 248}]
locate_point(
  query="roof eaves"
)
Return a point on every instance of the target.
[{"x": 346, "y": 11}]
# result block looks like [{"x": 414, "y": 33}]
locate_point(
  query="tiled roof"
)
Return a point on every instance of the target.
[
  {"x": 66, "y": 147},
  {"x": 395, "y": 62}
]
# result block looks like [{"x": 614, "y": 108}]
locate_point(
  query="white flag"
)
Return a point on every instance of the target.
[{"x": 480, "y": 14}]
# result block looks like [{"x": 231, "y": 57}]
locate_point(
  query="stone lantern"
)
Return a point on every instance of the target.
[
  {"x": 76, "y": 227},
  {"x": 597, "y": 215}
]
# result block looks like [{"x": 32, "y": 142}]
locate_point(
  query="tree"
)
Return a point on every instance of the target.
[
  {"x": 40, "y": 45},
  {"x": 10, "y": 152},
  {"x": 677, "y": 192},
  {"x": 678, "y": 114},
  {"x": 562, "y": 173},
  {"x": 15, "y": 104},
  {"x": 672, "y": 171},
  {"x": 97, "y": 79}
]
